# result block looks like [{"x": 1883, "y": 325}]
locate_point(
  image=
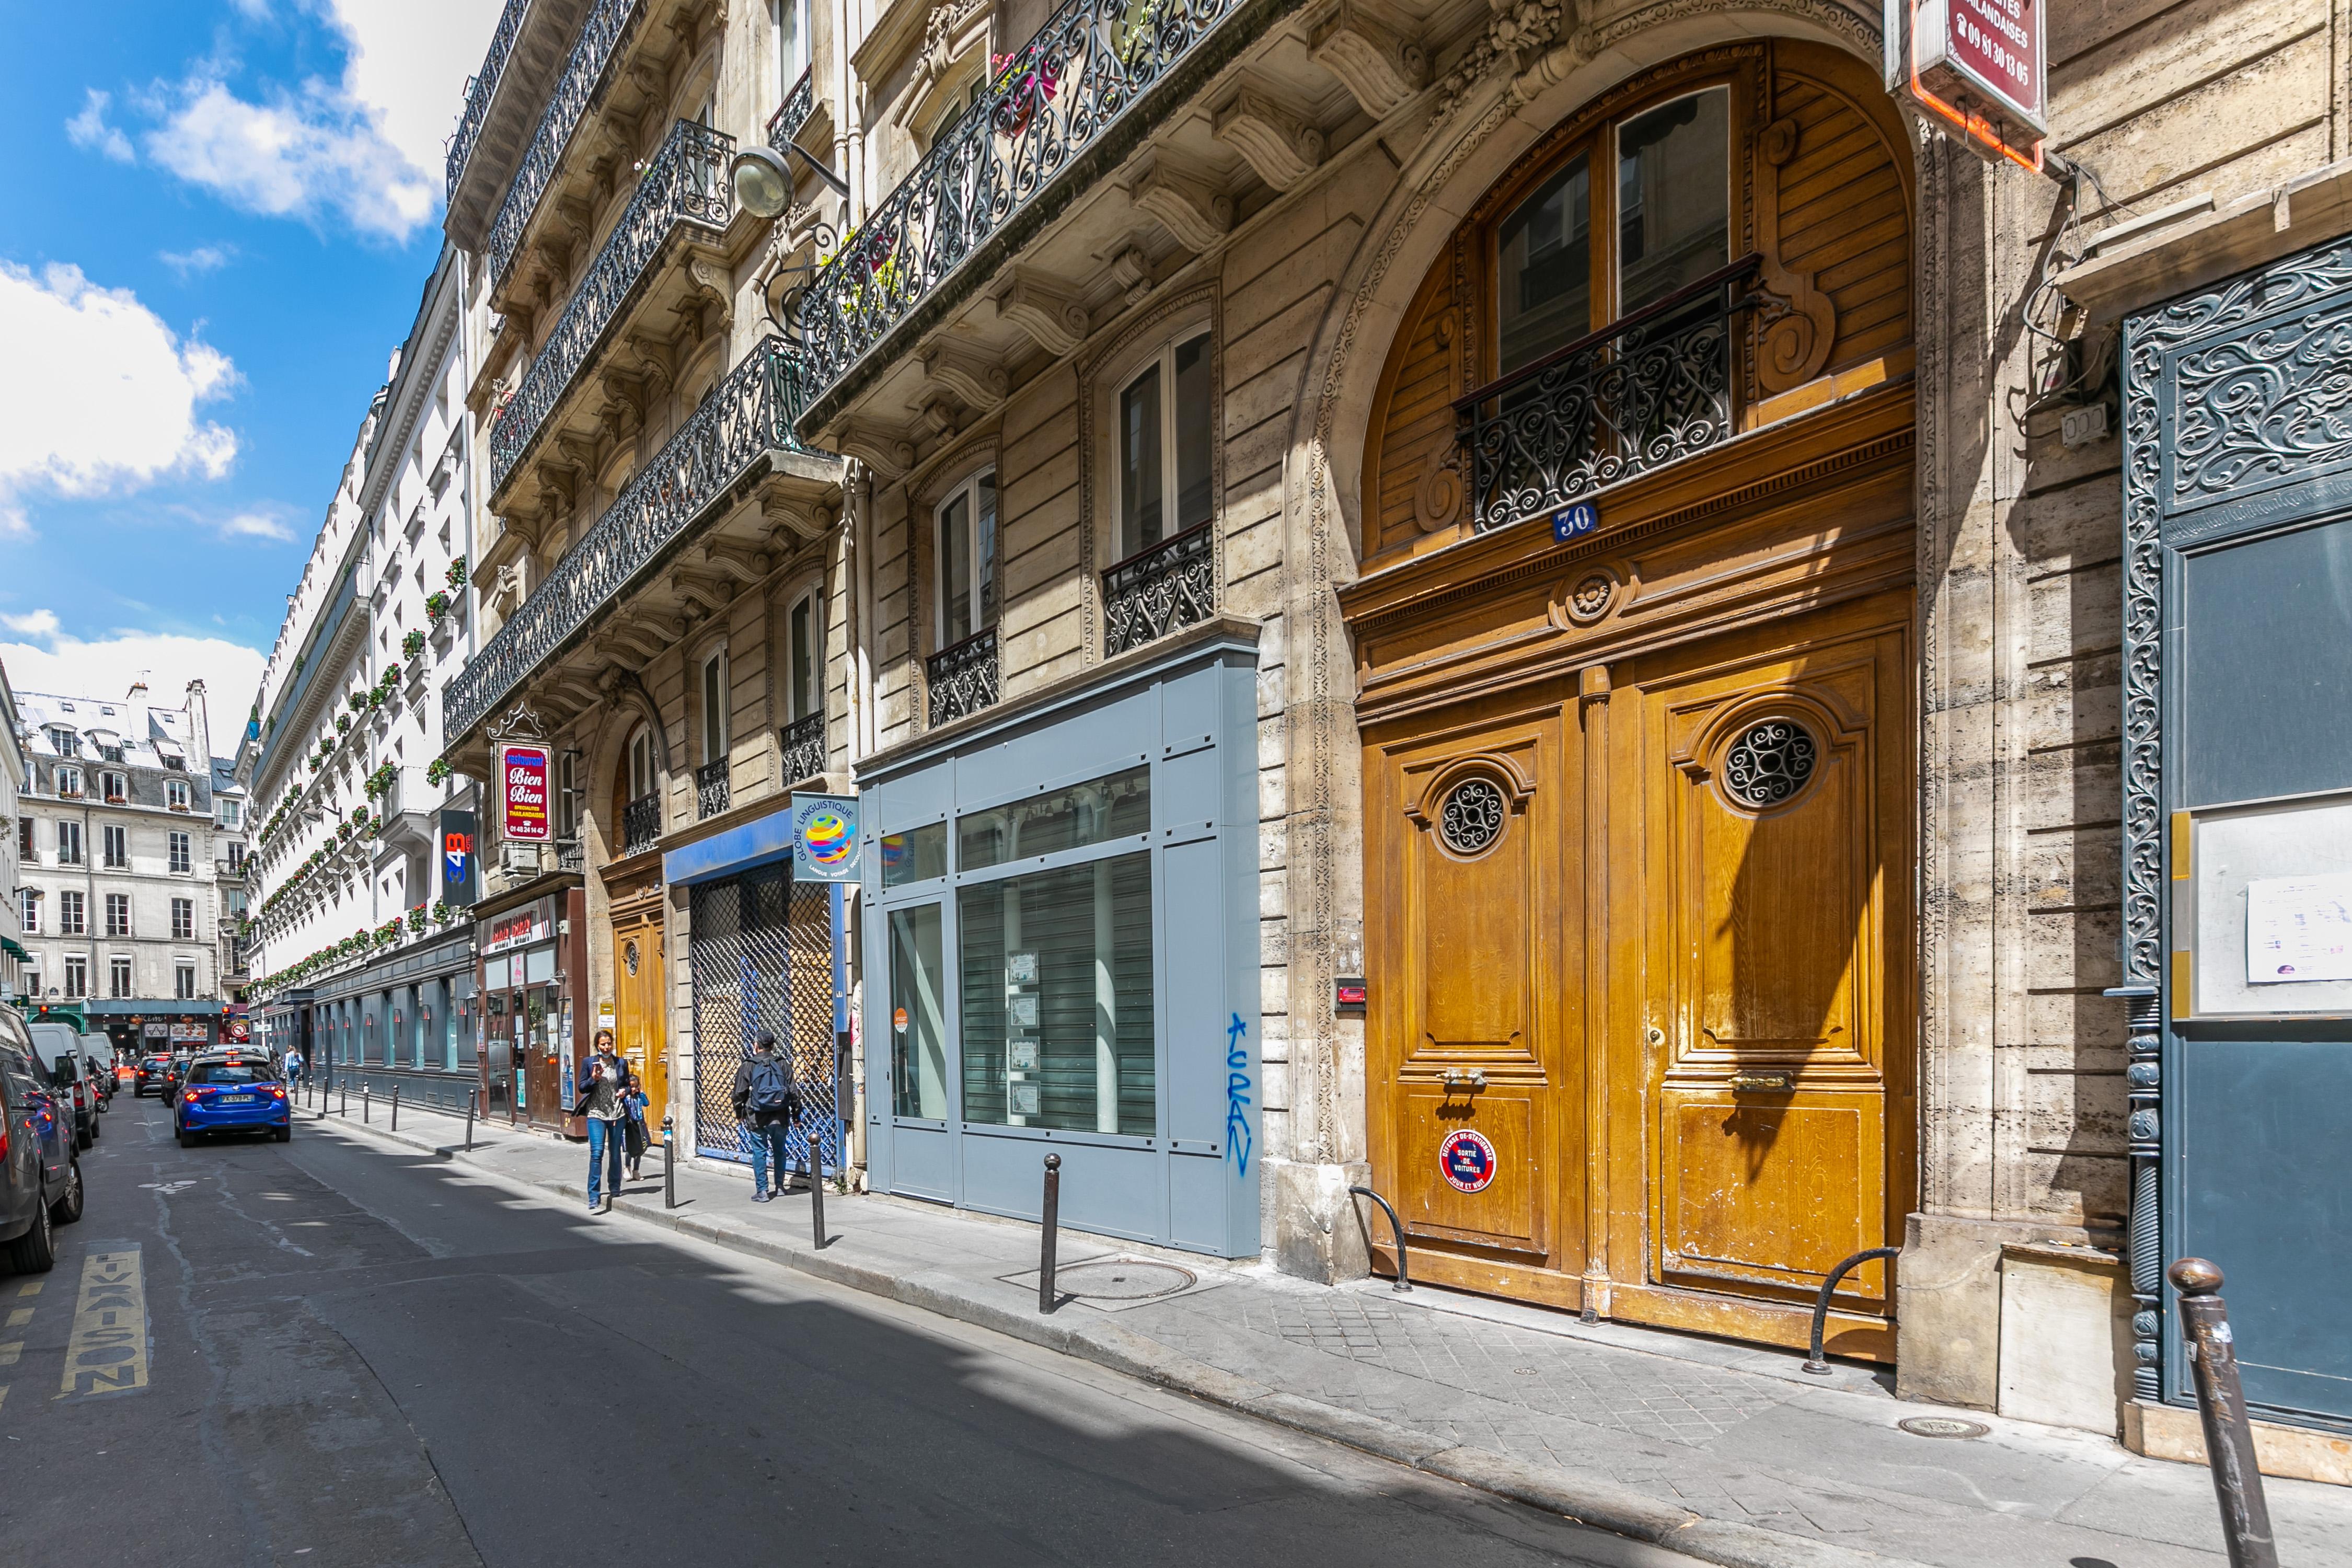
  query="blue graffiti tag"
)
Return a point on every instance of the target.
[{"x": 1237, "y": 1087}]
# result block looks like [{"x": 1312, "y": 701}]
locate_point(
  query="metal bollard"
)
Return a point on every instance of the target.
[
  {"x": 395, "y": 1108},
  {"x": 367, "y": 1093},
  {"x": 669, "y": 1163},
  {"x": 2222, "y": 1405},
  {"x": 816, "y": 1190},
  {"x": 347, "y": 1096},
  {"x": 1817, "y": 1364},
  {"x": 469, "y": 1121},
  {"x": 1053, "y": 1220},
  {"x": 1396, "y": 1228}
]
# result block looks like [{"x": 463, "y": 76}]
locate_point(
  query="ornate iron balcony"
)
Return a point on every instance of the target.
[
  {"x": 1635, "y": 396},
  {"x": 804, "y": 748},
  {"x": 479, "y": 89},
  {"x": 748, "y": 416},
  {"x": 794, "y": 113},
  {"x": 961, "y": 678},
  {"x": 601, "y": 35},
  {"x": 570, "y": 856},
  {"x": 1160, "y": 588},
  {"x": 641, "y": 824},
  {"x": 686, "y": 183},
  {"x": 1054, "y": 99},
  {"x": 711, "y": 789}
]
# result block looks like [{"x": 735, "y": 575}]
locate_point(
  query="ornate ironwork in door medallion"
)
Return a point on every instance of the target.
[
  {"x": 1769, "y": 763},
  {"x": 629, "y": 956},
  {"x": 1471, "y": 820}
]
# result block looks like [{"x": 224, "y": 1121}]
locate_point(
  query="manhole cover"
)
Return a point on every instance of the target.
[
  {"x": 1943, "y": 1426},
  {"x": 1121, "y": 1281}
]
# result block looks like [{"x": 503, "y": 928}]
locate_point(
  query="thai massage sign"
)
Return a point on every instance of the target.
[
  {"x": 523, "y": 793},
  {"x": 1977, "y": 65}
]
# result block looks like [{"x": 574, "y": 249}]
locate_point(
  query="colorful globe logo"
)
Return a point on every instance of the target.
[{"x": 828, "y": 836}]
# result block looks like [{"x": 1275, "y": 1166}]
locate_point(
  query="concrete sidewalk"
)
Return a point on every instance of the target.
[{"x": 1722, "y": 1452}]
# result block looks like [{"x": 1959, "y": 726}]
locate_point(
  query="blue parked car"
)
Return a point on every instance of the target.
[{"x": 231, "y": 1091}]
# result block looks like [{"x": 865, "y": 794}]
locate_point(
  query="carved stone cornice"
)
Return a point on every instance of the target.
[
  {"x": 980, "y": 383},
  {"x": 1184, "y": 200},
  {"x": 1049, "y": 311},
  {"x": 1375, "y": 59},
  {"x": 888, "y": 453},
  {"x": 1282, "y": 148}
]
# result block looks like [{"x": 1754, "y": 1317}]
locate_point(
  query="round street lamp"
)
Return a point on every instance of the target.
[{"x": 762, "y": 180}]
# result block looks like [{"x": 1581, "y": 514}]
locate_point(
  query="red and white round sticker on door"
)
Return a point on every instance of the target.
[{"x": 1466, "y": 1160}]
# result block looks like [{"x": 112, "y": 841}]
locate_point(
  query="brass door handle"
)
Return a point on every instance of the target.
[
  {"x": 1760, "y": 1081},
  {"x": 1476, "y": 1079}
]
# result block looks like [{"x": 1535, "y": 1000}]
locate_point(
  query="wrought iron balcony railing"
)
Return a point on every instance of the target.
[
  {"x": 1160, "y": 588},
  {"x": 479, "y": 89},
  {"x": 794, "y": 113},
  {"x": 803, "y": 742},
  {"x": 748, "y": 416},
  {"x": 641, "y": 824},
  {"x": 601, "y": 35},
  {"x": 1638, "y": 393},
  {"x": 1053, "y": 101},
  {"x": 686, "y": 183},
  {"x": 712, "y": 792},
  {"x": 961, "y": 678},
  {"x": 570, "y": 855}
]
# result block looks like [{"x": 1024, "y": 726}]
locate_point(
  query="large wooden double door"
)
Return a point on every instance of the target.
[
  {"x": 639, "y": 1026},
  {"x": 1640, "y": 943}
]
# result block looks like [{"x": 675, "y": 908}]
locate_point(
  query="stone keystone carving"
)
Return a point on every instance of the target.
[
  {"x": 1186, "y": 204},
  {"x": 1046, "y": 308},
  {"x": 1374, "y": 58},
  {"x": 1278, "y": 145}
]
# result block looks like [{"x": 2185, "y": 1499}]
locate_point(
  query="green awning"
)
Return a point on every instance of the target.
[{"x": 8, "y": 946}]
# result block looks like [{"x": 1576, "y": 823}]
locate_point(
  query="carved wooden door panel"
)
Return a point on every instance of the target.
[
  {"x": 637, "y": 1017},
  {"x": 1776, "y": 809},
  {"x": 1472, "y": 937}
]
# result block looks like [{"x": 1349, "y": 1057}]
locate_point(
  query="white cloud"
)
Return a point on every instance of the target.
[
  {"x": 197, "y": 260},
  {"x": 312, "y": 154},
  {"x": 105, "y": 667},
  {"x": 90, "y": 130},
  {"x": 409, "y": 62},
  {"x": 115, "y": 405},
  {"x": 256, "y": 525}
]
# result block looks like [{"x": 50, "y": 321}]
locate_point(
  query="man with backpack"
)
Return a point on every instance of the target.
[{"x": 766, "y": 1103}]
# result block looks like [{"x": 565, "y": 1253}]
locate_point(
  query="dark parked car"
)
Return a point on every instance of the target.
[
  {"x": 40, "y": 1175},
  {"x": 151, "y": 1075}
]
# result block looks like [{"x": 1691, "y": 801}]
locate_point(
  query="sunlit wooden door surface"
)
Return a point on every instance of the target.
[
  {"x": 1773, "y": 1045},
  {"x": 637, "y": 1020}
]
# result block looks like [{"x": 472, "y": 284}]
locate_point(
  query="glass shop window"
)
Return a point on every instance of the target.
[
  {"x": 1117, "y": 805},
  {"x": 919, "y": 1061}
]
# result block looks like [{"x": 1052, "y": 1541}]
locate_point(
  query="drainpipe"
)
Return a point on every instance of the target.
[
  {"x": 848, "y": 131},
  {"x": 868, "y": 728}
]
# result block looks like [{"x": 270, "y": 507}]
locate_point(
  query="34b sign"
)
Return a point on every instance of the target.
[{"x": 523, "y": 791}]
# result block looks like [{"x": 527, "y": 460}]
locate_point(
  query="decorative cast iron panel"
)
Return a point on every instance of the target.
[
  {"x": 1471, "y": 820},
  {"x": 1045, "y": 104},
  {"x": 794, "y": 113},
  {"x": 641, "y": 824},
  {"x": 479, "y": 89},
  {"x": 803, "y": 740},
  {"x": 712, "y": 792},
  {"x": 746, "y": 417},
  {"x": 1156, "y": 591},
  {"x": 961, "y": 678},
  {"x": 1769, "y": 763},
  {"x": 600, "y": 40},
  {"x": 686, "y": 183},
  {"x": 1651, "y": 388}
]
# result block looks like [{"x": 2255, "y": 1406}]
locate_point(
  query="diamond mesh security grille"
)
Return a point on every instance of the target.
[{"x": 761, "y": 955}]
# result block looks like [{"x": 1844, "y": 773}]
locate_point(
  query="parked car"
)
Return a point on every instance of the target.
[
  {"x": 151, "y": 1071},
  {"x": 40, "y": 1175},
  {"x": 232, "y": 1092},
  {"x": 58, "y": 1051},
  {"x": 176, "y": 1070}
]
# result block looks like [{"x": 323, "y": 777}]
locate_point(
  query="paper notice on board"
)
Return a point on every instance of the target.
[{"x": 2299, "y": 928}]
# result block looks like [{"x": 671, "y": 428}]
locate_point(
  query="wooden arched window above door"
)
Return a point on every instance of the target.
[{"x": 1775, "y": 168}]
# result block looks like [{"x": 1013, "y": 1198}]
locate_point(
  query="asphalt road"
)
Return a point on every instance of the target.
[{"x": 356, "y": 1356}]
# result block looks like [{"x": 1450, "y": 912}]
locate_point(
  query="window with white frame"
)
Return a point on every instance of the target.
[
  {"x": 1164, "y": 486},
  {"x": 714, "y": 707},
  {"x": 791, "y": 32},
  {"x": 116, "y": 839},
  {"x": 176, "y": 794},
  {"x": 32, "y": 982},
  {"x": 68, "y": 843},
  {"x": 641, "y": 763},
  {"x": 183, "y": 920},
  {"x": 70, "y": 782},
  {"x": 118, "y": 914},
  {"x": 73, "y": 914},
  {"x": 117, "y": 976},
  {"x": 28, "y": 910},
  {"x": 77, "y": 968},
  {"x": 229, "y": 814},
  {"x": 183, "y": 980},
  {"x": 966, "y": 552},
  {"x": 179, "y": 852},
  {"x": 116, "y": 787},
  {"x": 805, "y": 657},
  {"x": 567, "y": 811}
]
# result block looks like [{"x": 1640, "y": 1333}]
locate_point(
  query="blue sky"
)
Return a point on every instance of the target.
[{"x": 221, "y": 216}]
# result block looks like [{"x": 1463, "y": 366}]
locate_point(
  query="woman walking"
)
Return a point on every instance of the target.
[{"x": 605, "y": 1085}]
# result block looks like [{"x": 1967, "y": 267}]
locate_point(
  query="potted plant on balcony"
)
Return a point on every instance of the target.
[
  {"x": 417, "y": 918},
  {"x": 412, "y": 645},
  {"x": 1018, "y": 84},
  {"x": 436, "y": 604},
  {"x": 437, "y": 770},
  {"x": 457, "y": 573}
]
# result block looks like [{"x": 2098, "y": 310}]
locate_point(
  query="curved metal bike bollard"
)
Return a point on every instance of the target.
[
  {"x": 1396, "y": 1227},
  {"x": 1817, "y": 1364}
]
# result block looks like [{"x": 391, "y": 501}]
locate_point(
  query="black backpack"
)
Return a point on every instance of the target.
[{"x": 771, "y": 1083}]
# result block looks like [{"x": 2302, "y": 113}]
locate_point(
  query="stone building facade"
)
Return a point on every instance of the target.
[{"x": 1176, "y": 340}]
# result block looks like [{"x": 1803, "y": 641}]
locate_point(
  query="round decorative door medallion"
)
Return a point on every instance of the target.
[
  {"x": 629, "y": 956},
  {"x": 1471, "y": 820},
  {"x": 1769, "y": 763}
]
